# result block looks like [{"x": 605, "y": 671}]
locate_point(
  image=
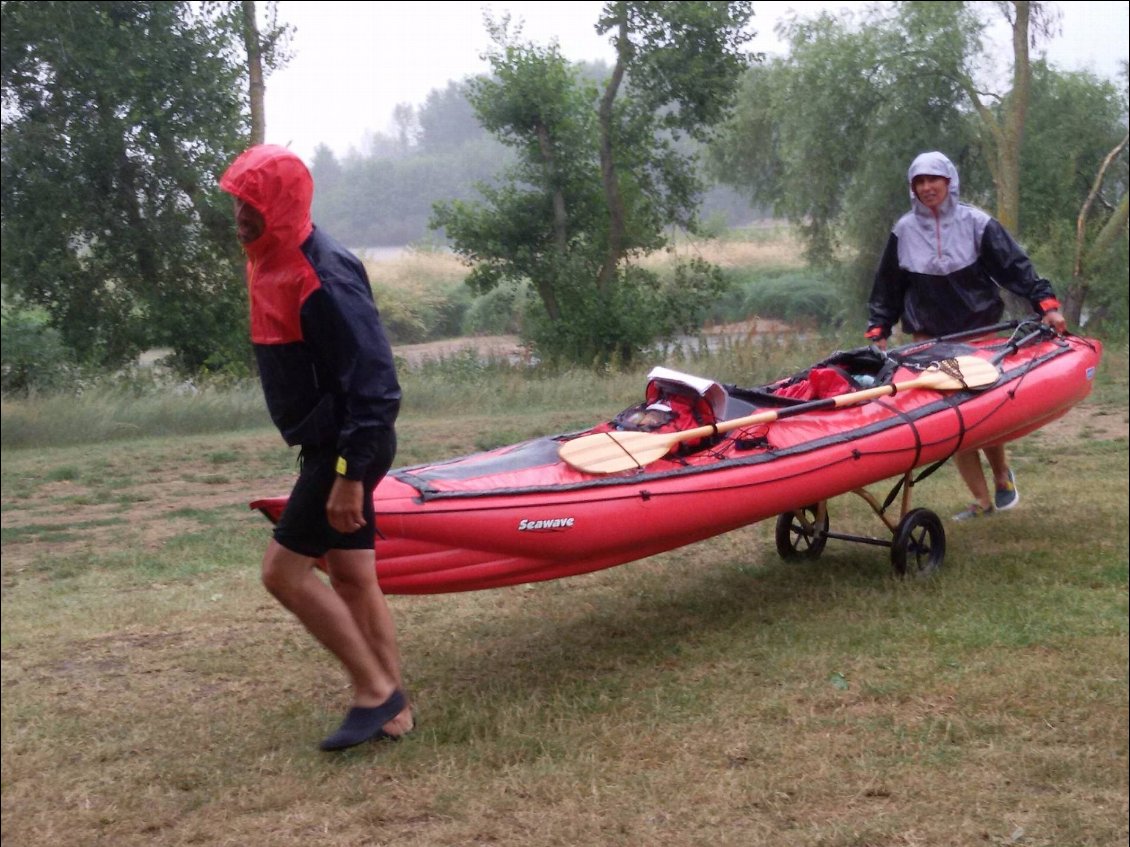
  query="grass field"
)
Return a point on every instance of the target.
[{"x": 153, "y": 694}]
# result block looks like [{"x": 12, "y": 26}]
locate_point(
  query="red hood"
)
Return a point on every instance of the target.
[{"x": 277, "y": 183}]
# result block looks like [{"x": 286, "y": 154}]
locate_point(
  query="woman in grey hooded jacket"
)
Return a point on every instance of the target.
[{"x": 941, "y": 273}]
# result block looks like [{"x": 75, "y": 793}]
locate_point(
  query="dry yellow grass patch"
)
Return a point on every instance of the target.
[
  {"x": 416, "y": 270},
  {"x": 783, "y": 252},
  {"x": 772, "y": 246}
]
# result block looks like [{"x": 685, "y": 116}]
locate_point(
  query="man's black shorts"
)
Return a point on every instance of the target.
[{"x": 304, "y": 527}]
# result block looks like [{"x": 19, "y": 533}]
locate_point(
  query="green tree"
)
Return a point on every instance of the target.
[
  {"x": 370, "y": 201},
  {"x": 1001, "y": 115},
  {"x": 823, "y": 134},
  {"x": 266, "y": 49},
  {"x": 1073, "y": 192},
  {"x": 939, "y": 46},
  {"x": 599, "y": 175},
  {"x": 256, "y": 87},
  {"x": 32, "y": 355},
  {"x": 118, "y": 117},
  {"x": 447, "y": 119},
  {"x": 1101, "y": 249}
]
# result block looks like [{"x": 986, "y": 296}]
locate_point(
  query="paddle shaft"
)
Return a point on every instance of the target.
[
  {"x": 811, "y": 406},
  {"x": 611, "y": 452}
]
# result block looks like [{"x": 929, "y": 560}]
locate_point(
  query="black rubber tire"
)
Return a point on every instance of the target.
[
  {"x": 919, "y": 545},
  {"x": 797, "y": 539}
]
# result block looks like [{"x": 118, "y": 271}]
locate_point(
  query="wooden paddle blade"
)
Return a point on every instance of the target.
[
  {"x": 611, "y": 452},
  {"x": 977, "y": 373},
  {"x": 959, "y": 373}
]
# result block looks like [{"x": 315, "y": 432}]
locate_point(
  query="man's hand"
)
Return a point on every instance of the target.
[{"x": 343, "y": 508}]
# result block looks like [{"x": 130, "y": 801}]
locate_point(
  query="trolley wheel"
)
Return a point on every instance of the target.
[
  {"x": 798, "y": 536},
  {"x": 919, "y": 545}
]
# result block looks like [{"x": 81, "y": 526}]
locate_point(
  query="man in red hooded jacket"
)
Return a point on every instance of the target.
[{"x": 330, "y": 384}]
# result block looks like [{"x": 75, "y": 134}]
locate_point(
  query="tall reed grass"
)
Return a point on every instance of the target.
[
  {"x": 452, "y": 386},
  {"x": 117, "y": 414}
]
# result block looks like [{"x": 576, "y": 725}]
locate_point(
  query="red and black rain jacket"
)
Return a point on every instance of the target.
[{"x": 324, "y": 360}]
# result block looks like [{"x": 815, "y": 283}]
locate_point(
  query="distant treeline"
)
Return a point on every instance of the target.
[{"x": 383, "y": 196}]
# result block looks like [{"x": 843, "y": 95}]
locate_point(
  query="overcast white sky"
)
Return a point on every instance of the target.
[{"x": 355, "y": 61}]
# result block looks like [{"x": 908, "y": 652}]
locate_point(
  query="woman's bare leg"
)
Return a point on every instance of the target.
[{"x": 969, "y": 466}]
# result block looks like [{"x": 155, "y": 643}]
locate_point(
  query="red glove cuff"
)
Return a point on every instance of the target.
[
  {"x": 875, "y": 333},
  {"x": 1049, "y": 304}
]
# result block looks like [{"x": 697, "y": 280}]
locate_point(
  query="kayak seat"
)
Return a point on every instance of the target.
[
  {"x": 737, "y": 408},
  {"x": 753, "y": 399}
]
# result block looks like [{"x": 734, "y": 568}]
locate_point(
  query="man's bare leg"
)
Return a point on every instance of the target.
[
  {"x": 353, "y": 576},
  {"x": 290, "y": 578}
]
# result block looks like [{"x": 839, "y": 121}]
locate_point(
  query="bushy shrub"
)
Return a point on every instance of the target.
[
  {"x": 498, "y": 312},
  {"x": 800, "y": 297},
  {"x": 420, "y": 293},
  {"x": 33, "y": 357},
  {"x": 612, "y": 328},
  {"x": 426, "y": 313},
  {"x": 449, "y": 315}
]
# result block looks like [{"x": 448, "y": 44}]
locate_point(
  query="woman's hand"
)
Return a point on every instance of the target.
[{"x": 1056, "y": 321}]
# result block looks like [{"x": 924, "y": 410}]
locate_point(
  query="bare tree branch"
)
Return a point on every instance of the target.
[{"x": 1081, "y": 221}]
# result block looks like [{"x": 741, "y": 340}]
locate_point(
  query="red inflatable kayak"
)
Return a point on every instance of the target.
[{"x": 523, "y": 514}]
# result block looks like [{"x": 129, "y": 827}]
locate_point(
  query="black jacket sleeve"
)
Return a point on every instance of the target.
[
  {"x": 1009, "y": 266},
  {"x": 888, "y": 291},
  {"x": 342, "y": 325}
]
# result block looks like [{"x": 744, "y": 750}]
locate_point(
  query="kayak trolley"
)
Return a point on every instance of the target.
[
  {"x": 918, "y": 539},
  {"x": 917, "y": 543}
]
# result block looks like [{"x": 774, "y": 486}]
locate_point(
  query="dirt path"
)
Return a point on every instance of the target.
[
  {"x": 484, "y": 346},
  {"x": 509, "y": 347}
]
